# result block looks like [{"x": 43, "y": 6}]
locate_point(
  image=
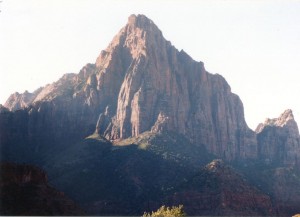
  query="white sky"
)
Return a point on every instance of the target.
[{"x": 254, "y": 44}]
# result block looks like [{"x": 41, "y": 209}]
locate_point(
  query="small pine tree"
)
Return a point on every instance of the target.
[{"x": 164, "y": 211}]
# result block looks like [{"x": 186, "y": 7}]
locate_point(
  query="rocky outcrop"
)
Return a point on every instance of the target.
[
  {"x": 24, "y": 191},
  {"x": 20, "y": 101},
  {"x": 279, "y": 140},
  {"x": 219, "y": 190},
  {"x": 68, "y": 87}
]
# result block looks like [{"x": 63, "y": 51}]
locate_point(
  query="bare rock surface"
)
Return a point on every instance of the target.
[
  {"x": 279, "y": 140},
  {"x": 19, "y": 101}
]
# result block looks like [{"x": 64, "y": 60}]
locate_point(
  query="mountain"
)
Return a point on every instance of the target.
[
  {"x": 143, "y": 83},
  {"x": 25, "y": 191},
  {"x": 141, "y": 127}
]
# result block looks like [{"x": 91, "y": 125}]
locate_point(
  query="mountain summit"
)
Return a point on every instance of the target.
[
  {"x": 279, "y": 140},
  {"x": 138, "y": 36}
]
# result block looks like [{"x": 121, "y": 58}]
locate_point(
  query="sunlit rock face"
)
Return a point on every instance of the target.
[{"x": 165, "y": 89}]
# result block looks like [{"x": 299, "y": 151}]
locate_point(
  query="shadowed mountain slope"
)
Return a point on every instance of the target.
[{"x": 25, "y": 191}]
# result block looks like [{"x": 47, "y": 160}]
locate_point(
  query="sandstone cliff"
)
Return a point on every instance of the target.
[
  {"x": 164, "y": 89},
  {"x": 279, "y": 140}
]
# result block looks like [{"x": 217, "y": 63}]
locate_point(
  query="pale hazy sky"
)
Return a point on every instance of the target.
[{"x": 254, "y": 44}]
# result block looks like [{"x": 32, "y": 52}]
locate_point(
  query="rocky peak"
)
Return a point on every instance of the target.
[
  {"x": 20, "y": 100},
  {"x": 68, "y": 84},
  {"x": 139, "y": 33},
  {"x": 279, "y": 140},
  {"x": 286, "y": 118},
  {"x": 139, "y": 21},
  {"x": 215, "y": 165}
]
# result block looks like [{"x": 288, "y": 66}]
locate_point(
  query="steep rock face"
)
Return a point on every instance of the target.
[
  {"x": 279, "y": 140},
  {"x": 219, "y": 190},
  {"x": 164, "y": 89},
  {"x": 24, "y": 191}
]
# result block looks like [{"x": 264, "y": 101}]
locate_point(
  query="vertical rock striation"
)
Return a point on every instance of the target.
[{"x": 162, "y": 88}]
